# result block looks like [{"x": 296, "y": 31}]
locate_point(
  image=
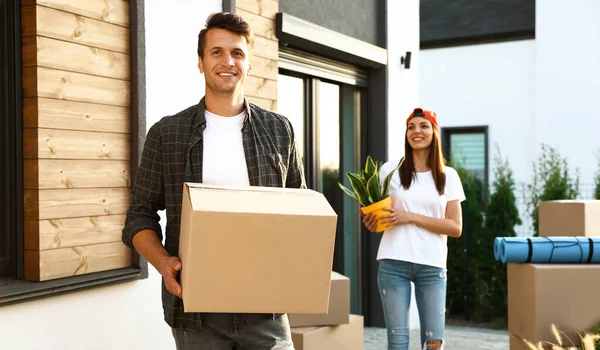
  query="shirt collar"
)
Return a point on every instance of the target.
[{"x": 200, "y": 119}]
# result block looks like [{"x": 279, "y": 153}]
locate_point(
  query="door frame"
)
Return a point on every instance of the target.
[
  {"x": 11, "y": 117},
  {"x": 354, "y": 95},
  {"x": 311, "y": 38}
]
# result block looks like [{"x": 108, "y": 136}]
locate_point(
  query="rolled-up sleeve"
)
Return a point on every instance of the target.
[
  {"x": 147, "y": 194},
  {"x": 295, "y": 176}
]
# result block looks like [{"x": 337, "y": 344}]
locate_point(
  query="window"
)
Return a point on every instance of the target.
[
  {"x": 13, "y": 287},
  {"x": 467, "y": 147},
  {"x": 324, "y": 101}
]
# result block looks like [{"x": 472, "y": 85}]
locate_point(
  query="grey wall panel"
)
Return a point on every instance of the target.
[
  {"x": 360, "y": 19},
  {"x": 449, "y": 22}
]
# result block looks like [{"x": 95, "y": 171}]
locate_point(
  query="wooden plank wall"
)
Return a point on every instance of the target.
[
  {"x": 76, "y": 137},
  {"x": 261, "y": 85}
]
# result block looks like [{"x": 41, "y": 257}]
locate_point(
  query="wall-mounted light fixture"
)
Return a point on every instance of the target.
[{"x": 405, "y": 60}]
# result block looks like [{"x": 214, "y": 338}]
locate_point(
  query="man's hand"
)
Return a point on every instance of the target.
[
  {"x": 146, "y": 242},
  {"x": 169, "y": 267}
]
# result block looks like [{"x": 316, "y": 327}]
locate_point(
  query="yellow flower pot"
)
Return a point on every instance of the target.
[{"x": 377, "y": 209}]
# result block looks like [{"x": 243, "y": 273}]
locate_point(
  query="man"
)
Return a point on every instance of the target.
[{"x": 224, "y": 140}]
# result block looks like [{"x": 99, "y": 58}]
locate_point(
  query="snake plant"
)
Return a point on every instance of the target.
[{"x": 366, "y": 186}]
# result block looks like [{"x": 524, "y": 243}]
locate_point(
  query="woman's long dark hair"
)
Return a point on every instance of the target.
[{"x": 435, "y": 162}]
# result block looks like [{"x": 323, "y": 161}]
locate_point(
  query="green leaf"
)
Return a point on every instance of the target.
[
  {"x": 347, "y": 191},
  {"x": 388, "y": 179},
  {"x": 374, "y": 188},
  {"x": 359, "y": 188},
  {"x": 386, "y": 184},
  {"x": 370, "y": 168}
]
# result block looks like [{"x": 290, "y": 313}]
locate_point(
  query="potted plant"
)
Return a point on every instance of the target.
[{"x": 368, "y": 190}]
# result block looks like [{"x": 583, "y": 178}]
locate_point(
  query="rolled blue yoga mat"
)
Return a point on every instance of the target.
[
  {"x": 497, "y": 243},
  {"x": 557, "y": 250}
]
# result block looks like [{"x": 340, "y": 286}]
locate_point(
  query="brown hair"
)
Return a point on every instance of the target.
[
  {"x": 228, "y": 21},
  {"x": 435, "y": 162}
]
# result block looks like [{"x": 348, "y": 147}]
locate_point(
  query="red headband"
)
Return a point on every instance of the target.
[{"x": 423, "y": 113}]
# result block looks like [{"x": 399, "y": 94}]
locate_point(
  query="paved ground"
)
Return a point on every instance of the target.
[{"x": 457, "y": 338}]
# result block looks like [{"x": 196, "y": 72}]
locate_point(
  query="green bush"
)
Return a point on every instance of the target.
[
  {"x": 501, "y": 217},
  {"x": 480, "y": 293},
  {"x": 551, "y": 181},
  {"x": 461, "y": 251}
]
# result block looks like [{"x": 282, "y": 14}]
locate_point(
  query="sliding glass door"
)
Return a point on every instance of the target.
[{"x": 324, "y": 106}]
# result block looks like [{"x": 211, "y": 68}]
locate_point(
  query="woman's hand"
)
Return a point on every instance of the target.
[
  {"x": 395, "y": 218},
  {"x": 370, "y": 221}
]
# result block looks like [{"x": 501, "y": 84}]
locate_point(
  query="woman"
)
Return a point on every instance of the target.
[{"x": 426, "y": 198}]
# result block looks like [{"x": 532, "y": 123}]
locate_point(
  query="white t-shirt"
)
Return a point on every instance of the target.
[
  {"x": 409, "y": 242},
  {"x": 223, "y": 161}
]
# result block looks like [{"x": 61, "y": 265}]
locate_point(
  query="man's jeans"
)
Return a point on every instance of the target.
[
  {"x": 237, "y": 332},
  {"x": 394, "y": 279}
]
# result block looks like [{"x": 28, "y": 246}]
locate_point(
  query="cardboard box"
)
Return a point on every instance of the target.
[
  {"x": 516, "y": 343},
  {"x": 256, "y": 249},
  {"x": 339, "y": 306},
  {"x": 343, "y": 337},
  {"x": 569, "y": 218},
  {"x": 540, "y": 295}
]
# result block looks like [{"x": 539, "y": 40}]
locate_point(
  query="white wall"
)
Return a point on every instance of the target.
[
  {"x": 567, "y": 98},
  {"x": 128, "y": 315},
  {"x": 490, "y": 85},
  {"x": 403, "y": 84},
  {"x": 403, "y": 35},
  {"x": 173, "y": 81},
  {"x": 124, "y": 316},
  {"x": 493, "y": 85}
]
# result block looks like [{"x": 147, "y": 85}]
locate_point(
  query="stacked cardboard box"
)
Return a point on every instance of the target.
[
  {"x": 238, "y": 245},
  {"x": 256, "y": 249},
  {"x": 564, "y": 295},
  {"x": 337, "y": 329},
  {"x": 516, "y": 343},
  {"x": 569, "y": 218}
]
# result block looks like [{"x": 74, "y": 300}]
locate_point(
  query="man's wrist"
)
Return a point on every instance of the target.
[{"x": 160, "y": 258}]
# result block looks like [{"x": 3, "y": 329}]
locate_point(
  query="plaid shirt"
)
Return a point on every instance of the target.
[{"x": 172, "y": 155}]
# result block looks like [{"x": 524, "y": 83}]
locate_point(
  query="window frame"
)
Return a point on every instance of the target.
[
  {"x": 13, "y": 288},
  {"x": 12, "y": 140},
  {"x": 313, "y": 69},
  {"x": 353, "y": 85},
  {"x": 447, "y": 132}
]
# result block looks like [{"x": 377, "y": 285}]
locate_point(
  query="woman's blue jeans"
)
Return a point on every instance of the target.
[{"x": 394, "y": 279}]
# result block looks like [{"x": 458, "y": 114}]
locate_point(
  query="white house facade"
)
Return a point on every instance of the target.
[{"x": 514, "y": 75}]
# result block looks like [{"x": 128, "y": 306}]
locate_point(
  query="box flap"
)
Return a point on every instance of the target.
[
  {"x": 269, "y": 200},
  {"x": 338, "y": 276},
  {"x": 576, "y": 201}
]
